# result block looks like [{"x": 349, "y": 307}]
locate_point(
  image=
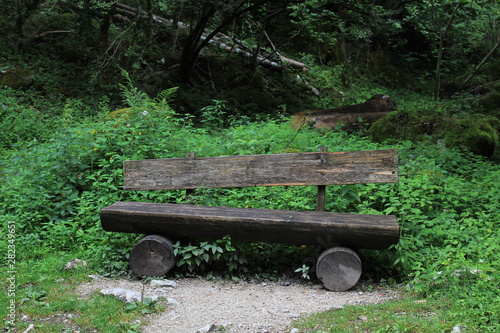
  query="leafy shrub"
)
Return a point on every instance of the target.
[{"x": 19, "y": 123}]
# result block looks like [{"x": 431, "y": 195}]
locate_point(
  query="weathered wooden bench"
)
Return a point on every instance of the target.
[{"x": 339, "y": 267}]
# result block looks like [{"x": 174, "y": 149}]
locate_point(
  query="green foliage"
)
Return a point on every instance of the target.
[
  {"x": 205, "y": 257},
  {"x": 446, "y": 202},
  {"x": 406, "y": 315},
  {"x": 214, "y": 116},
  {"x": 304, "y": 271},
  {"x": 145, "y": 306},
  {"x": 46, "y": 297},
  {"x": 62, "y": 147},
  {"x": 460, "y": 29},
  {"x": 19, "y": 123}
]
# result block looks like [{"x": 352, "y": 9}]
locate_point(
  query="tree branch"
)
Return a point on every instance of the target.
[{"x": 474, "y": 71}]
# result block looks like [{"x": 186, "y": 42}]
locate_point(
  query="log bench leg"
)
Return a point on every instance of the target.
[
  {"x": 339, "y": 268},
  {"x": 152, "y": 256}
]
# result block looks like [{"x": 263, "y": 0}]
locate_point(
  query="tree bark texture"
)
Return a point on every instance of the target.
[
  {"x": 370, "y": 111},
  {"x": 254, "y": 225}
]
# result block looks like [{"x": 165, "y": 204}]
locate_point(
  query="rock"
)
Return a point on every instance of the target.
[
  {"x": 336, "y": 307},
  {"x": 173, "y": 301},
  {"x": 163, "y": 283},
  {"x": 206, "y": 329},
  {"x": 75, "y": 263},
  {"x": 459, "y": 329},
  {"x": 294, "y": 330},
  {"x": 127, "y": 295},
  {"x": 30, "y": 327},
  {"x": 478, "y": 134}
]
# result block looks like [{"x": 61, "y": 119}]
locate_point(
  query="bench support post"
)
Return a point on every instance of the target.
[
  {"x": 339, "y": 268},
  {"x": 152, "y": 256},
  {"x": 320, "y": 206}
]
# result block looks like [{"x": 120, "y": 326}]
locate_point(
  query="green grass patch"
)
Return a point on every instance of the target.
[
  {"x": 46, "y": 297},
  {"x": 408, "y": 314}
]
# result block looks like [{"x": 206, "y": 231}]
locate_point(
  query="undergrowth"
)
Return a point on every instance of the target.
[{"x": 446, "y": 202}]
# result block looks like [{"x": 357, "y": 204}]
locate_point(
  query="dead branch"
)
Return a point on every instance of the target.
[{"x": 220, "y": 40}]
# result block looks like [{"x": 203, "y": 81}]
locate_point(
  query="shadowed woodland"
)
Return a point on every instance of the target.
[{"x": 267, "y": 59}]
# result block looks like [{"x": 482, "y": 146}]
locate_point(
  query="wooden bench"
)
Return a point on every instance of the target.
[{"x": 339, "y": 268}]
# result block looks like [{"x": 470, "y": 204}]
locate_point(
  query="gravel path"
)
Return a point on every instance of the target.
[{"x": 238, "y": 306}]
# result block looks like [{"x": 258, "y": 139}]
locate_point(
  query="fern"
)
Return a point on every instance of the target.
[
  {"x": 132, "y": 96},
  {"x": 165, "y": 97}
]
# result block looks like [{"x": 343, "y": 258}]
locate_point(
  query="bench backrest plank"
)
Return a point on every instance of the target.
[{"x": 315, "y": 168}]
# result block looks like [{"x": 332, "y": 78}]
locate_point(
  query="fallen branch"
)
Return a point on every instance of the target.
[
  {"x": 45, "y": 33},
  {"x": 474, "y": 71},
  {"x": 220, "y": 40}
]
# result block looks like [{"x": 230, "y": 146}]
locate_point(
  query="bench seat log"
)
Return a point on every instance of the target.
[{"x": 255, "y": 225}]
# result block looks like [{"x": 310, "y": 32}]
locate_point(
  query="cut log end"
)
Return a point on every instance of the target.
[
  {"x": 339, "y": 268},
  {"x": 152, "y": 256}
]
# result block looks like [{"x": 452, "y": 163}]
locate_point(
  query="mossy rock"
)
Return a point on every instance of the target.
[
  {"x": 403, "y": 126},
  {"x": 16, "y": 79},
  {"x": 121, "y": 113},
  {"x": 490, "y": 102},
  {"x": 479, "y": 135}
]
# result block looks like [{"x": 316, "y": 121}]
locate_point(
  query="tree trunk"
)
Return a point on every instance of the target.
[
  {"x": 149, "y": 24},
  {"x": 191, "y": 50},
  {"x": 439, "y": 64},
  {"x": 104, "y": 31}
]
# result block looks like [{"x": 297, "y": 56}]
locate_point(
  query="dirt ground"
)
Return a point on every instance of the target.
[{"x": 198, "y": 305}]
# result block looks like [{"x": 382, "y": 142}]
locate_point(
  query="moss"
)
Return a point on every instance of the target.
[
  {"x": 405, "y": 126},
  {"x": 121, "y": 113},
  {"x": 479, "y": 135},
  {"x": 15, "y": 79},
  {"x": 490, "y": 102}
]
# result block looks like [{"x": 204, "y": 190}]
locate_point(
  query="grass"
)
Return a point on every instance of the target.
[
  {"x": 46, "y": 298},
  {"x": 408, "y": 314}
]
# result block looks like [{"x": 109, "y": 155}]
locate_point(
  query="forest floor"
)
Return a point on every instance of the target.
[{"x": 197, "y": 305}]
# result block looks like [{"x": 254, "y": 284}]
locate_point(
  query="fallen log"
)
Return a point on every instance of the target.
[
  {"x": 370, "y": 111},
  {"x": 220, "y": 40}
]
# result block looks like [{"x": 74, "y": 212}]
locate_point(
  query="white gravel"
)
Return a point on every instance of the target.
[{"x": 237, "y": 306}]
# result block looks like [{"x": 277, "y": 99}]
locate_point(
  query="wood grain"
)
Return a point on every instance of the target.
[
  {"x": 255, "y": 225},
  {"x": 339, "y": 268},
  {"x": 316, "y": 168}
]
